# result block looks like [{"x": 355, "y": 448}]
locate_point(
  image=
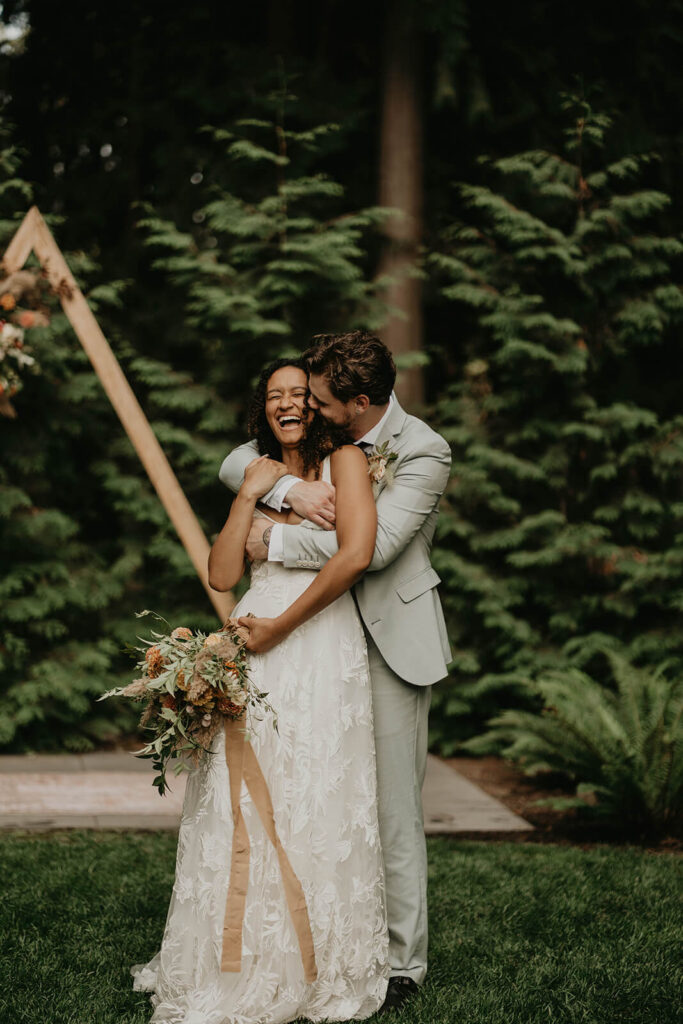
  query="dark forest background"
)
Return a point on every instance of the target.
[{"x": 217, "y": 177}]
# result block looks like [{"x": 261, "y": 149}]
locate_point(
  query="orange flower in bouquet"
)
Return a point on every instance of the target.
[{"x": 155, "y": 662}]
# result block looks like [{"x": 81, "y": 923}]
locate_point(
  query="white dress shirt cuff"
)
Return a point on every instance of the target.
[
  {"x": 276, "y": 547},
  {"x": 279, "y": 492}
]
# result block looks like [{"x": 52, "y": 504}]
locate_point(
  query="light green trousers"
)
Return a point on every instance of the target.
[{"x": 400, "y": 712}]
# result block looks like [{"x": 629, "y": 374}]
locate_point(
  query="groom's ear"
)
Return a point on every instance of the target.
[{"x": 362, "y": 403}]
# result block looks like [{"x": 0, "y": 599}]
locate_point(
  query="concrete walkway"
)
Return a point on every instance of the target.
[{"x": 114, "y": 790}]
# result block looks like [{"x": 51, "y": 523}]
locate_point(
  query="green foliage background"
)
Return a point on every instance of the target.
[
  {"x": 563, "y": 526},
  {"x": 214, "y": 182}
]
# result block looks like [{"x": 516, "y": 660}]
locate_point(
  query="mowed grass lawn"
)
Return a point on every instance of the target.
[{"x": 520, "y": 934}]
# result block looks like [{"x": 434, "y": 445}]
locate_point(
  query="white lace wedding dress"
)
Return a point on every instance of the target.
[{"x": 320, "y": 768}]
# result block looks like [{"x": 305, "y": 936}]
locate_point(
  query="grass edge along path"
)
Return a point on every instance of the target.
[{"x": 519, "y": 934}]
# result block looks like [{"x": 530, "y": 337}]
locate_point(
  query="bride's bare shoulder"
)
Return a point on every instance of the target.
[
  {"x": 348, "y": 461},
  {"x": 348, "y": 453}
]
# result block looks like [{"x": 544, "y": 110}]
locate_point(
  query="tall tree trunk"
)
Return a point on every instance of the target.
[
  {"x": 279, "y": 27},
  {"x": 401, "y": 188}
]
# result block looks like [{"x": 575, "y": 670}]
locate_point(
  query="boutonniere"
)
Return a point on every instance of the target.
[{"x": 379, "y": 463}]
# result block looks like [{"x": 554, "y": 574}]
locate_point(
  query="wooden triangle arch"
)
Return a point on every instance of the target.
[{"x": 34, "y": 235}]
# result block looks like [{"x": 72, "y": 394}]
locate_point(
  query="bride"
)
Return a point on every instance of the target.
[{"x": 319, "y": 765}]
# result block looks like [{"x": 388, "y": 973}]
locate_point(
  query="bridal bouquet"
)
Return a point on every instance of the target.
[{"x": 189, "y": 683}]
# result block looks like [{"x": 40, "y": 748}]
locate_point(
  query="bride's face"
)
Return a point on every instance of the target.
[{"x": 286, "y": 409}]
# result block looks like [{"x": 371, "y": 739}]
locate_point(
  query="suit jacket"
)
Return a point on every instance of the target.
[{"x": 397, "y": 596}]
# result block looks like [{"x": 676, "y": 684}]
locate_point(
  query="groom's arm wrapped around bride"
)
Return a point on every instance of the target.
[
  {"x": 397, "y": 597},
  {"x": 312, "y": 500}
]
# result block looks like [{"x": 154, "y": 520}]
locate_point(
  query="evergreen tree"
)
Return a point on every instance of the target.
[
  {"x": 57, "y": 585},
  {"x": 563, "y": 529},
  {"x": 85, "y": 540},
  {"x": 273, "y": 255}
]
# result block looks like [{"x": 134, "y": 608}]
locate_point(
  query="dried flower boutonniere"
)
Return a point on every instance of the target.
[{"x": 379, "y": 463}]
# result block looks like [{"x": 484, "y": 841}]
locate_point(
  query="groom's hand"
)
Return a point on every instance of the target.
[
  {"x": 313, "y": 501},
  {"x": 263, "y": 633}
]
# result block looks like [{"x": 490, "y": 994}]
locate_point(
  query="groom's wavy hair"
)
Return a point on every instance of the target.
[
  {"x": 354, "y": 363},
  {"x": 319, "y": 439}
]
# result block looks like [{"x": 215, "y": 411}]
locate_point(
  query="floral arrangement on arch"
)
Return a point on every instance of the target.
[{"x": 22, "y": 307}]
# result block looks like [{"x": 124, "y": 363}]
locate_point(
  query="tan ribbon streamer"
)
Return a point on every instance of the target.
[{"x": 243, "y": 764}]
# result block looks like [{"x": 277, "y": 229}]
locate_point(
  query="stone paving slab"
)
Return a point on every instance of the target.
[
  {"x": 100, "y": 760},
  {"x": 114, "y": 790},
  {"x": 453, "y": 804}
]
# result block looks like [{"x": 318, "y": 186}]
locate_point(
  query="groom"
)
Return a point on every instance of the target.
[{"x": 351, "y": 379}]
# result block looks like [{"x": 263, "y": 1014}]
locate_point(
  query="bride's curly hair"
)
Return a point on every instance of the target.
[{"x": 320, "y": 438}]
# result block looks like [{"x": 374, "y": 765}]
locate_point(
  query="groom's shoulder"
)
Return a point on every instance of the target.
[{"x": 416, "y": 433}]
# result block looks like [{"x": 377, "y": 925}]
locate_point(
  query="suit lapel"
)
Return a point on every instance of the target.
[
  {"x": 390, "y": 429},
  {"x": 392, "y": 426}
]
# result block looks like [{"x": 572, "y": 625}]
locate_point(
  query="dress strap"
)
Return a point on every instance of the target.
[{"x": 326, "y": 473}]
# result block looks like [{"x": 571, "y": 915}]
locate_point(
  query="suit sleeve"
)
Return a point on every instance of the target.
[
  {"x": 402, "y": 507},
  {"x": 232, "y": 470}
]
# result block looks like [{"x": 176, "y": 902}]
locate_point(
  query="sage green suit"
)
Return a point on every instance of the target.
[{"x": 408, "y": 650}]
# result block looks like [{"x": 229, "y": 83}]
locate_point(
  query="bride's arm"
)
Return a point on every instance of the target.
[
  {"x": 356, "y": 530},
  {"x": 226, "y": 558}
]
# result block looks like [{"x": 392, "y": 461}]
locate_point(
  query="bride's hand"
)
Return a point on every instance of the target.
[
  {"x": 260, "y": 475},
  {"x": 264, "y": 634}
]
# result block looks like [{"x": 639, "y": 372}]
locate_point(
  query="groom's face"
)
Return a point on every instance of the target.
[{"x": 331, "y": 408}]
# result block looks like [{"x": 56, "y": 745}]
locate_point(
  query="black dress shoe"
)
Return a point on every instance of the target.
[{"x": 399, "y": 990}]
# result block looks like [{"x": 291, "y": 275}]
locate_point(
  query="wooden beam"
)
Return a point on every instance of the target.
[
  {"x": 19, "y": 249},
  {"x": 34, "y": 234}
]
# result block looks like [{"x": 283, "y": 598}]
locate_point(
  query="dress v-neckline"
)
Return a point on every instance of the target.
[{"x": 265, "y": 515}]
